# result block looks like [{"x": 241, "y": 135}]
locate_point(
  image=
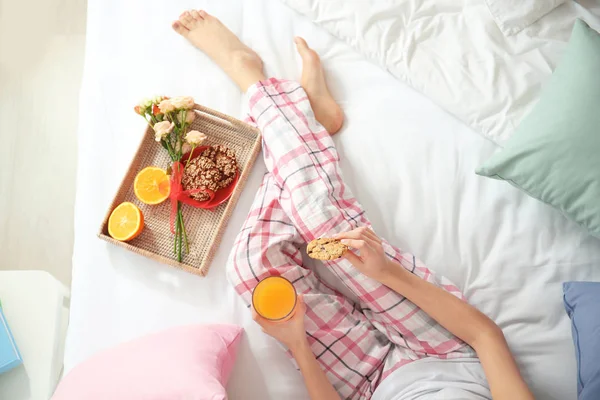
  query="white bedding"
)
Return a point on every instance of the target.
[
  {"x": 454, "y": 52},
  {"x": 409, "y": 163}
]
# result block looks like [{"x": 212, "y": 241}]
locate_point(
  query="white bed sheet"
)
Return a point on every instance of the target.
[{"x": 409, "y": 163}]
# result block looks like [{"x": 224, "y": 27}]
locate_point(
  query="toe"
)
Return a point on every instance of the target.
[
  {"x": 187, "y": 20},
  {"x": 308, "y": 55},
  {"x": 196, "y": 15},
  {"x": 300, "y": 43},
  {"x": 179, "y": 28},
  {"x": 203, "y": 14}
]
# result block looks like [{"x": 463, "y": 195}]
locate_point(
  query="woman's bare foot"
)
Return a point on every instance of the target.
[
  {"x": 327, "y": 111},
  {"x": 208, "y": 34},
  {"x": 245, "y": 67}
]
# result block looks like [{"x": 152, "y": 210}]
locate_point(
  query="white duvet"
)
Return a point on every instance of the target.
[{"x": 454, "y": 52}]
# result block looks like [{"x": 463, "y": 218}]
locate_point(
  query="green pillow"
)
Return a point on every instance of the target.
[{"x": 554, "y": 155}]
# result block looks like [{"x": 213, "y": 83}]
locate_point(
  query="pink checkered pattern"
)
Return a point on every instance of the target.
[{"x": 303, "y": 197}]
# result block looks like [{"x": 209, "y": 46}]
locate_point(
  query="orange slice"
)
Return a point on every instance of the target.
[
  {"x": 152, "y": 185},
  {"x": 126, "y": 222}
]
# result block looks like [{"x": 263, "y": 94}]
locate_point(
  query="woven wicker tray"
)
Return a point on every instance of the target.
[{"x": 204, "y": 227}]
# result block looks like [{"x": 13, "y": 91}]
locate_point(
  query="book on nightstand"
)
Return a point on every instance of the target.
[{"x": 9, "y": 353}]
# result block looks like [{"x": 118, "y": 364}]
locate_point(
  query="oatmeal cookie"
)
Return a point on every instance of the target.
[
  {"x": 214, "y": 169},
  {"x": 226, "y": 164},
  {"x": 210, "y": 178},
  {"x": 226, "y": 181},
  {"x": 326, "y": 249},
  {"x": 196, "y": 178},
  {"x": 200, "y": 196},
  {"x": 204, "y": 162}
]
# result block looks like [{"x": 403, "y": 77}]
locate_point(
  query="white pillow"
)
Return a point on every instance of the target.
[{"x": 512, "y": 16}]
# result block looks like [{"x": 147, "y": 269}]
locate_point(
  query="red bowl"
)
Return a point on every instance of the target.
[{"x": 221, "y": 195}]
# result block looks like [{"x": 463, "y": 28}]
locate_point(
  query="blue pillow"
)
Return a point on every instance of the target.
[{"x": 582, "y": 302}]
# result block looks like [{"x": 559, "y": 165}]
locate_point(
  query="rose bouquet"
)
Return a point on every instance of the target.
[{"x": 170, "y": 118}]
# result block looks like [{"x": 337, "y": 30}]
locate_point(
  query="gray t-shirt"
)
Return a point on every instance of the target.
[{"x": 435, "y": 379}]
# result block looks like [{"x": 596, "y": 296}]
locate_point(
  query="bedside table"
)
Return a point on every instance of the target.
[{"x": 36, "y": 308}]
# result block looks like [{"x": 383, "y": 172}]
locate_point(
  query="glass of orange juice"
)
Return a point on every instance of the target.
[{"x": 274, "y": 298}]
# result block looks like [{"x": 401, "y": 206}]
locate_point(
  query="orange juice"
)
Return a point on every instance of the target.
[{"x": 274, "y": 298}]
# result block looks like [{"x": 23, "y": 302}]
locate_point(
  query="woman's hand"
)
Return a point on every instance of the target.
[
  {"x": 372, "y": 260},
  {"x": 291, "y": 332}
]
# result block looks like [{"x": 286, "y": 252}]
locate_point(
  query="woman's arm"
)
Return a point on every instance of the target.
[
  {"x": 466, "y": 322},
  {"x": 292, "y": 334},
  {"x": 457, "y": 316},
  {"x": 315, "y": 380}
]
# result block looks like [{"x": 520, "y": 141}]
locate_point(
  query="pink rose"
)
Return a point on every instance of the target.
[
  {"x": 195, "y": 138},
  {"x": 166, "y": 106},
  {"x": 162, "y": 129},
  {"x": 183, "y": 102},
  {"x": 190, "y": 116},
  {"x": 186, "y": 148}
]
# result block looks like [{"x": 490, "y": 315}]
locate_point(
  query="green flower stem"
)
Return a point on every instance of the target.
[
  {"x": 173, "y": 138},
  {"x": 171, "y": 151},
  {"x": 190, "y": 157},
  {"x": 179, "y": 258},
  {"x": 175, "y": 241},
  {"x": 187, "y": 246},
  {"x": 182, "y": 116},
  {"x": 148, "y": 122},
  {"x": 180, "y": 141},
  {"x": 181, "y": 133}
]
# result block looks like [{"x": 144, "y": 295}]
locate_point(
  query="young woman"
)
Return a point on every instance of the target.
[{"x": 405, "y": 316}]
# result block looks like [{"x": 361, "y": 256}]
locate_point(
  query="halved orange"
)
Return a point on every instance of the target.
[
  {"x": 152, "y": 185},
  {"x": 126, "y": 222}
]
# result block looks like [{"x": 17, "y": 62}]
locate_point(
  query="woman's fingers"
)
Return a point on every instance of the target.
[
  {"x": 361, "y": 239},
  {"x": 363, "y": 233},
  {"x": 355, "y": 244},
  {"x": 301, "y": 306},
  {"x": 358, "y": 233},
  {"x": 259, "y": 319},
  {"x": 255, "y": 316},
  {"x": 301, "y": 303},
  {"x": 369, "y": 233}
]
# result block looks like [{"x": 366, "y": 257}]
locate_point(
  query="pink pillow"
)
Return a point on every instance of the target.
[{"x": 188, "y": 362}]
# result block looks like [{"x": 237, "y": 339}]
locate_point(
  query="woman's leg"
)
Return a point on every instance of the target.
[
  {"x": 244, "y": 66},
  {"x": 303, "y": 160},
  {"x": 350, "y": 350}
]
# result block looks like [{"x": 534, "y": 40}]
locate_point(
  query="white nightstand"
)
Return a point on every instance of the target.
[{"x": 36, "y": 307}]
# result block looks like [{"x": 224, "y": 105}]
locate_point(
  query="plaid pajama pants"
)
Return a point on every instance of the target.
[{"x": 303, "y": 197}]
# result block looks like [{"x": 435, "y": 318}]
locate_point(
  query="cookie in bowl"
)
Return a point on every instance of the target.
[{"x": 215, "y": 168}]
